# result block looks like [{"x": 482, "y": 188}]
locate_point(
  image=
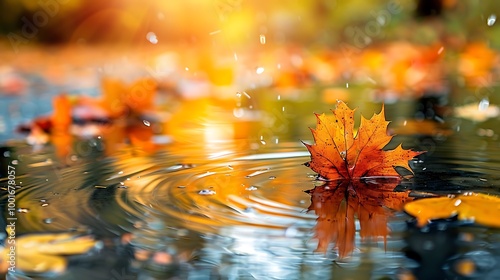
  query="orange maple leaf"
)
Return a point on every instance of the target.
[{"x": 339, "y": 154}]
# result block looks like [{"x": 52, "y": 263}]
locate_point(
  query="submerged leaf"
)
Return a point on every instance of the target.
[
  {"x": 479, "y": 208},
  {"x": 339, "y": 154}
]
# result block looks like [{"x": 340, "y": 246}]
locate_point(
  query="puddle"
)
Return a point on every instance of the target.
[{"x": 244, "y": 212}]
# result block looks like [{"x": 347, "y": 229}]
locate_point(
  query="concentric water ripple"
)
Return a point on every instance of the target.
[{"x": 231, "y": 211}]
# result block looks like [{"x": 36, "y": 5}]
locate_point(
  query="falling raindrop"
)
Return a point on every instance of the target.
[
  {"x": 48, "y": 220},
  {"x": 491, "y": 20},
  {"x": 263, "y": 142},
  {"x": 23, "y": 210},
  {"x": 206, "y": 192},
  {"x": 151, "y": 36},
  {"x": 235, "y": 57},
  {"x": 15, "y": 162},
  {"x": 247, "y": 95},
  {"x": 259, "y": 70},
  {"x": 146, "y": 123},
  {"x": 44, "y": 204},
  {"x": 238, "y": 112},
  {"x": 262, "y": 39}
]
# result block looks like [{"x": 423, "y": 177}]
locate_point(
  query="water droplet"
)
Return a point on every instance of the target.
[
  {"x": 238, "y": 94},
  {"x": 73, "y": 158},
  {"x": 235, "y": 57},
  {"x": 262, "y": 39},
  {"x": 156, "y": 225},
  {"x": 146, "y": 123},
  {"x": 182, "y": 232},
  {"x": 272, "y": 177},
  {"x": 259, "y": 70},
  {"x": 151, "y": 36},
  {"x": 48, "y": 220},
  {"x": 206, "y": 192},
  {"x": 15, "y": 162},
  {"x": 291, "y": 232},
  {"x": 491, "y": 20},
  {"x": 44, "y": 204},
  {"x": 138, "y": 224},
  {"x": 251, "y": 188},
  {"x": 283, "y": 109},
  {"x": 279, "y": 97},
  {"x": 483, "y": 104},
  {"x": 247, "y": 95},
  {"x": 6, "y": 154},
  {"x": 249, "y": 210},
  {"x": 187, "y": 68},
  {"x": 263, "y": 142},
  {"x": 457, "y": 202},
  {"x": 440, "y": 50},
  {"x": 347, "y": 85},
  {"x": 277, "y": 140},
  {"x": 181, "y": 187},
  {"x": 23, "y": 210},
  {"x": 122, "y": 187},
  {"x": 121, "y": 172}
]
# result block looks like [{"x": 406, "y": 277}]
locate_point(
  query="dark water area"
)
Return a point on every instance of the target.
[{"x": 244, "y": 209}]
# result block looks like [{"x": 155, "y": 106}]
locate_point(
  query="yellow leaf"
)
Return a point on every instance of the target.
[{"x": 479, "y": 208}]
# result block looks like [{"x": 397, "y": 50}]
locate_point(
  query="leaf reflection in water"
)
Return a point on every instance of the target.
[{"x": 337, "y": 203}]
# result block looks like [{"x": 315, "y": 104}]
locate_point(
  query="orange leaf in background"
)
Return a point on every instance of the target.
[
  {"x": 337, "y": 206},
  {"x": 339, "y": 154},
  {"x": 480, "y": 208},
  {"x": 119, "y": 97}
]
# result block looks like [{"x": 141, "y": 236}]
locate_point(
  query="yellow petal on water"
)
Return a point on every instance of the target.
[
  {"x": 40, "y": 263},
  {"x": 41, "y": 253},
  {"x": 72, "y": 246},
  {"x": 480, "y": 208}
]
